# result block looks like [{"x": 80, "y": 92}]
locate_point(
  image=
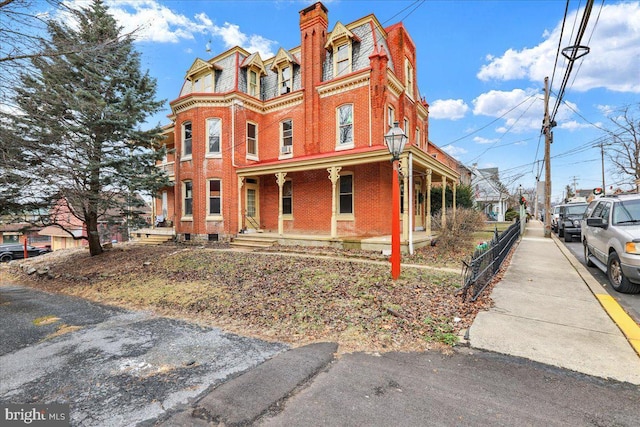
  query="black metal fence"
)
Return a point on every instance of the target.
[{"x": 485, "y": 262}]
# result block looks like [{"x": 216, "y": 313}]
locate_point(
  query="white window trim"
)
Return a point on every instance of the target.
[
  {"x": 351, "y": 144},
  {"x": 184, "y": 216},
  {"x": 281, "y": 80},
  {"x": 406, "y": 125},
  {"x": 280, "y": 154},
  {"x": 410, "y": 75},
  {"x": 185, "y": 157},
  {"x": 214, "y": 217},
  {"x": 391, "y": 116},
  {"x": 346, "y": 216},
  {"x": 214, "y": 154},
  {"x": 257, "y": 72},
  {"x": 251, "y": 156},
  {"x": 336, "y": 47}
]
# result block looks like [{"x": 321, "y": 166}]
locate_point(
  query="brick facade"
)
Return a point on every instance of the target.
[{"x": 361, "y": 67}]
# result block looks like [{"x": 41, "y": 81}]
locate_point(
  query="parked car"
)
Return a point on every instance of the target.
[
  {"x": 569, "y": 218},
  {"x": 555, "y": 212},
  {"x": 611, "y": 239},
  {"x": 16, "y": 251}
]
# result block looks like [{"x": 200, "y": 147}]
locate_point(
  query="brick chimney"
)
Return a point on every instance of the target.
[{"x": 314, "y": 22}]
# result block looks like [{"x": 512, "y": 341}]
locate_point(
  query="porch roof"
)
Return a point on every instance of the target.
[{"x": 356, "y": 156}]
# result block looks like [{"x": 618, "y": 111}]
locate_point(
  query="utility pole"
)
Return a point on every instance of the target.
[
  {"x": 546, "y": 128},
  {"x": 604, "y": 189}
]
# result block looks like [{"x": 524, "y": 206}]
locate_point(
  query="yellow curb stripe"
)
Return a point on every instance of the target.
[{"x": 626, "y": 324}]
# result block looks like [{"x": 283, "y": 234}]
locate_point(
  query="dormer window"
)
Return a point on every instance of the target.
[
  {"x": 283, "y": 64},
  {"x": 408, "y": 77},
  {"x": 254, "y": 83},
  {"x": 285, "y": 80},
  {"x": 340, "y": 42},
  {"x": 255, "y": 69},
  {"x": 343, "y": 60},
  {"x": 200, "y": 78}
]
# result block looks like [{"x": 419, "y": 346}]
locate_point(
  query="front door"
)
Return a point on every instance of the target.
[{"x": 252, "y": 204}]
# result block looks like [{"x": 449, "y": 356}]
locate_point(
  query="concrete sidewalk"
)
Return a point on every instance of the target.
[{"x": 547, "y": 310}]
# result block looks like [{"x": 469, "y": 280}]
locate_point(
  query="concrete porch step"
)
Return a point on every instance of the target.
[
  {"x": 252, "y": 241},
  {"x": 154, "y": 239}
]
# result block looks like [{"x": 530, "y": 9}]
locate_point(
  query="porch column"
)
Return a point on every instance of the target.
[
  {"x": 428, "y": 203},
  {"x": 453, "y": 187},
  {"x": 406, "y": 218},
  {"x": 280, "y": 180},
  {"x": 444, "y": 201},
  {"x": 240, "y": 184},
  {"x": 334, "y": 175}
]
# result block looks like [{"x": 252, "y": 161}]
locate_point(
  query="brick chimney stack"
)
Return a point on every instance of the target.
[{"x": 314, "y": 22}]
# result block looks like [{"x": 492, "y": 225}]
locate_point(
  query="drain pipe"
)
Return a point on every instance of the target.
[{"x": 410, "y": 191}]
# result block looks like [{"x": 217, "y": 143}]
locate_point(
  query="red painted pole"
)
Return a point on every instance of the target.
[
  {"x": 395, "y": 223},
  {"x": 26, "y": 253}
]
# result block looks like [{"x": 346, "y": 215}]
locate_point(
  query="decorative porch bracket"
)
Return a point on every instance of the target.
[
  {"x": 334, "y": 176},
  {"x": 280, "y": 181}
]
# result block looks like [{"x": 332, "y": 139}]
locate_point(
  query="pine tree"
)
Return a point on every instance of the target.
[{"x": 78, "y": 126}]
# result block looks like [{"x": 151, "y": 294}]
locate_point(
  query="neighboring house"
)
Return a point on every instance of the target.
[
  {"x": 489, "y": 193},
  {"x": 438, "y": 153},
  {"x": 69, "y": 231},
  {"x": 17, "y": 232},
  {"x": 294, "y": 144}
]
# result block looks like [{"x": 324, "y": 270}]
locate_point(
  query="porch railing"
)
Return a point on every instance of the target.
[
  {"x": 480, "y": 269},
  {"x": 252, "y": 222}
]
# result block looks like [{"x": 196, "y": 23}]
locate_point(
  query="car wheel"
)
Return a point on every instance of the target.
[
  {"x": 616, "y": 277},
  {"x": 587, "y": 254},
  {"x": 6, "y": 257},
  {"x": 568, "y": 237}
]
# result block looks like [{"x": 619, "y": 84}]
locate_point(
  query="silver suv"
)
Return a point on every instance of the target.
[{"x": 611, "y": 238}]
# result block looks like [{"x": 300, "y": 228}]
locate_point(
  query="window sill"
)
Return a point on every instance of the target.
[
  {"x": 213, "y": 155},
  {"x": 287, "y": 217},
  {"x": 285, "y": 156},
  {"x": 345, "y": 147},
  {"x": 253, "y": 157},
  {"x": 185, "y": 158},
  {"x": 346, "y": 217},
  {"x": 214, "y": 218},
  {"x": 187, "y": 218}
]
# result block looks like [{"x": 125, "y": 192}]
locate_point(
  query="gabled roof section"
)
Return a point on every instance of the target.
[
  {"x": 283, "y": 56},
  {"x": 254, "y": 60},
  {"x": 339, "y": 34},
  {"x": 199, "y": 66}
]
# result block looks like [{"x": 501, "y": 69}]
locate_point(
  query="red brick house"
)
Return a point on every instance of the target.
[{"x": 294, "y": 145}]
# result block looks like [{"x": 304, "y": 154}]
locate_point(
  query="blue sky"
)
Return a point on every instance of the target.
[{"x": 481, "y": 67}]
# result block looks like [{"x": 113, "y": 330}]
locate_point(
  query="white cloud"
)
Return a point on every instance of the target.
[
  {"x": 452, "y": 109},
  {"x": 520, "y": 109},
  {"x": 481, "y": 140},
  {"x": 573, "y": 125},
  {"x": 613, "y": 61},
  {"x": 155, "y": 22},
  {"x": 454, "y": 151}
]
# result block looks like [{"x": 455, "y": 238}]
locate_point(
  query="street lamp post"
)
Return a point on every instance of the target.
[{"x": 395, "y": 140}]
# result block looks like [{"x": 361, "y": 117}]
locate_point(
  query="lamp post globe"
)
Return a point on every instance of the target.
[{"x": 395, "y": 140}]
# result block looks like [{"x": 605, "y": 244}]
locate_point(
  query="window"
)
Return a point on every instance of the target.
[
  {"x": 186, "y": 139},
  {"x": 343, "y": 60},
  {"x": 285, "y": 80},
  {"x": 406, "y": 130},
  {"x": 213, "y": 132},
  {"x": 287, "y": 137},
  {"x": 345, "y": 125},
  {"x": 187, "y": 191},
  {"x": 215, "y": 197},
  {"x": 408, "y": 77},
  {"x": 252, "y": 139},
  {"x": 391, "y": 117},
  {"x": 346, "y": 194},
  {"x": 254, "y": 83},
  {"x": 287, "y": 198},
  {"x": 418, "y": 141}
]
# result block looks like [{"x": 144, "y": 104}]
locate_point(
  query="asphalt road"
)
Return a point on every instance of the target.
[
  {"x": 629, "y": 302},
  {"x": 114, "y": 367}
]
